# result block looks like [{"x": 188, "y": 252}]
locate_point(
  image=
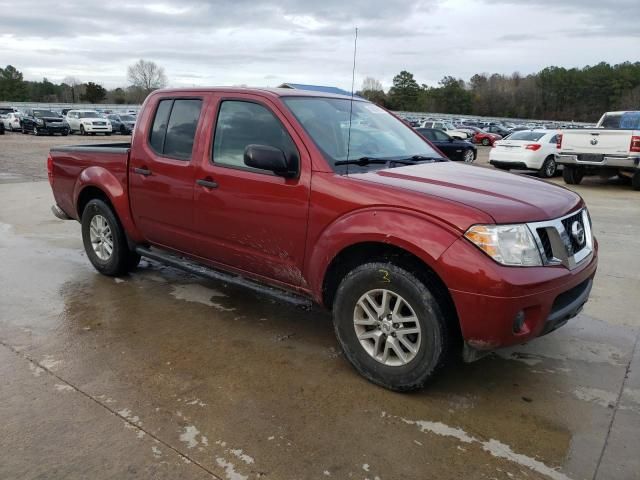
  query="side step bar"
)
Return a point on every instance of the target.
[{"x": 208, "y": 272}]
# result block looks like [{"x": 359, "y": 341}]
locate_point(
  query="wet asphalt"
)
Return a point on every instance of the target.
[{"x": 161, "y": 374}]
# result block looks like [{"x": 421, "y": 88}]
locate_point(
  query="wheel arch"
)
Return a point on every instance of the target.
[
  {"x": 372, "y": 251},
  {"x": 98, "y": 182}
]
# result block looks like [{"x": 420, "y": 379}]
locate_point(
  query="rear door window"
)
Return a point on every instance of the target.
[
  {"x": 181, "y": 129},
  {"x": 174, "y": 127}
]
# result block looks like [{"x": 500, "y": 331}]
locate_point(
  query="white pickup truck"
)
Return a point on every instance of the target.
[{"x": 613, "y": 147}]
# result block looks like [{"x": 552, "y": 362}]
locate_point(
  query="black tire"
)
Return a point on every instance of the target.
[
  {"x": 435, "y": 337},
  {"x": 82, "y": 132},
  {"x": 635, "y": 180},
  {"x": 572, "y": 175},
  {"x": 549, "y": 167},
  {"x": 35, "y": 131},
  {"x": 486, "y": 142},
  {"x": 24, "y": 131},
  {"x": 121, "y": 259},
  {"x": 108, "y": 134}
]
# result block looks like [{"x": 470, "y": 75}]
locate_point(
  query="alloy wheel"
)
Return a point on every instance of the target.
[
  {"x": 101, "y": 237},
  {"x": 387, "y": 327},
  {"x": 468, "y": 156}
]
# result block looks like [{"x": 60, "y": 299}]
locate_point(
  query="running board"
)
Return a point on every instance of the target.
[{"x": 208, "y": 272}]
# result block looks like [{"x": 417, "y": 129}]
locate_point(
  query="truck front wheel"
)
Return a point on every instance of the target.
[
  {"x": 104, "y": 240},
  {"x": 572, "y": 175},
  {"x": 390, "y": 326}
]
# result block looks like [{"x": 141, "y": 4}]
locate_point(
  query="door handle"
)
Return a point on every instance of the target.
[
  {"x": 142, "y": 171},
  {"x": 207, "y": 183}
]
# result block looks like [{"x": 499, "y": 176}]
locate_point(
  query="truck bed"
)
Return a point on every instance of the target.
[
  {"x": 72, "y": 167},
  {"x": 123, "y": 147}
]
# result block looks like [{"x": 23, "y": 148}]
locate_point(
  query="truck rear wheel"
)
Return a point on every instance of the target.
[
  {"x": 104, "y": 240},
  {"x": 572, "y": 175},
  {"x": 390, "y": 326}
]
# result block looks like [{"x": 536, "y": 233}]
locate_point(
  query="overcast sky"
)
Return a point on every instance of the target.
[{"x": 267, "y": 42}]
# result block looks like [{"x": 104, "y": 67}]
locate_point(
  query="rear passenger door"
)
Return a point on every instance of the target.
[
  {"x": 248, "y": 219},
  {"x": 162, "y": 171}
]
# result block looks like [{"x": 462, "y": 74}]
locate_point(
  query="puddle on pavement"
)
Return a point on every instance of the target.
[{"x": 229, "y": 375}]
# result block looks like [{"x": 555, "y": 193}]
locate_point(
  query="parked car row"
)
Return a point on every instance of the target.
[{"x": 83, "y": 122}]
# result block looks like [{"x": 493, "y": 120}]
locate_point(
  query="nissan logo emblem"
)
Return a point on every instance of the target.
[
  {"x": 594, "y": 141},
  {"x": 577, "y": 232}
]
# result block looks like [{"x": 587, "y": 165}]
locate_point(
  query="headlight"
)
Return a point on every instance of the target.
[
  {"x": 506, "y": 244},
  {"x": 39, "y": 121}
]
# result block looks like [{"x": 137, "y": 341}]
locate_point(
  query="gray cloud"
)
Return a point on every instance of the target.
[{"x": 269, "y": 41}]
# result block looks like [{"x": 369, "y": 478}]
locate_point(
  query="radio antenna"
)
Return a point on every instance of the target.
[{"x": 353, "y": 80}]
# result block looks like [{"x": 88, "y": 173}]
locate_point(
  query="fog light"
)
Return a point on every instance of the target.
[{"x": 518, "y": 322}]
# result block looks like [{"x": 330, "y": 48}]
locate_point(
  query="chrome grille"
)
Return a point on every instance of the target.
[{"x": 557, "y": 244}]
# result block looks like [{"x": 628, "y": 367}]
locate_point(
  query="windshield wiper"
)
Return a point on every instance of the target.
[
  {"x": 422, "y": 158},
  {"x": 364, "y": 161}
]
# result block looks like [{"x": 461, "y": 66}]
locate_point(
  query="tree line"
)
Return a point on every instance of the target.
[
  {"x": 554, "y": 93},
  {"x": 143, "y": 76}
]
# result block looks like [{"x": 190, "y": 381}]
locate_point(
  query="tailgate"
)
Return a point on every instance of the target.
[{"x": 597, "y": 141}]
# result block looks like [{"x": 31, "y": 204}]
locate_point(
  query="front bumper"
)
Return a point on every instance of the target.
[
  {"x": 96, "y": 128},
  {"x": 488, "y": 297},
  {"x": 619, "y": 161},
  {"x": 51, "y": 129}
]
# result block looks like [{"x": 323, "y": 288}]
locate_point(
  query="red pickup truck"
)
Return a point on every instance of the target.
[{"x": 323, "y": 198}]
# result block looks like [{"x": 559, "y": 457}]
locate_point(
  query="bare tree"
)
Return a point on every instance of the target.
[
  {"x": 72, "y": 91},
  {"x": 370, "y": 84},
  {"x": 146, "y": 75}
]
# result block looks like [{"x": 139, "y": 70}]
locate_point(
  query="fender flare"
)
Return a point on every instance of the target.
[
  {"x": 419, "y": 234},
  {"x": 105, "y": 181}
]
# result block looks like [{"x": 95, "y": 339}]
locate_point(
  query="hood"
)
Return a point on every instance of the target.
[
  {"x": 50, "y": 119},
  {"x": 506, "y": 197}
]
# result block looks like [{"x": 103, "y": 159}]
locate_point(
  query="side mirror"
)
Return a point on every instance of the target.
[{"x": 268, "y": 158}]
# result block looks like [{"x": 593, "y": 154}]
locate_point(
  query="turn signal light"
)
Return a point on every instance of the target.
[
  {"x": 635, "y": 144},
  {"x": 533, "y": 146}
]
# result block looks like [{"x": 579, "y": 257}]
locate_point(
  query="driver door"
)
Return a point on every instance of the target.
[{"x": 248, "y": 219}]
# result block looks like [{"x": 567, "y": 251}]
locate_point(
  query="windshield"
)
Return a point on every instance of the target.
[
  {"x": 44, "y": 113},
  {"x": 89, "y": 115},
  {"x": 374, "y": 132},
  {"x": 449, "y": 126},
  {"x": 127, "y": 118}
]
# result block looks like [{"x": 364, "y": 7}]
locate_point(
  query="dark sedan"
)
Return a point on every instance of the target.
[
  {"x": 43, "y": 122},
  {"x": 453, "y": 148},
  {"x": 122, "y": 123}
]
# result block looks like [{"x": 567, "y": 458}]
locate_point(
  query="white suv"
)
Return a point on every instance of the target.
[
  {"x": 527, "y": 150},
  {"x": 88, "y": 122}
]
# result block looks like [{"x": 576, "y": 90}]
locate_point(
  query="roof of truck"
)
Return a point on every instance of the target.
[{"x": 275, "y": 92}]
